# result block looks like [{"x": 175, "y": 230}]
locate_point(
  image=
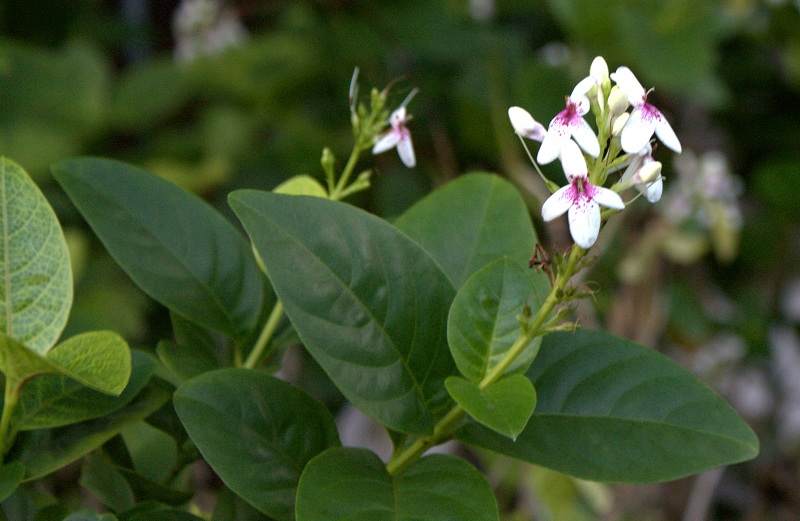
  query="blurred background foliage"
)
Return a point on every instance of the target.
[{"x": 722, "y": 295}]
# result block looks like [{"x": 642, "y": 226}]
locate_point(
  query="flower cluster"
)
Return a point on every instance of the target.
[{"x": 623, "y": 140}]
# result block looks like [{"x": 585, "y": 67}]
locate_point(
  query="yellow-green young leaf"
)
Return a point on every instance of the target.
[
  {"x": 98, "y": 359},
  {"x": 301, "y": 185},
  {"x": 35, "y": 274},
  {"x": 20, "y": 363}
]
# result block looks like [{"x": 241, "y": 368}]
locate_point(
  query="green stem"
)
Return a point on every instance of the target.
[
  {"x": 336, "y": 194},
  {"x": 7, "y": 432},
  {"x": 257, "y": 354},
  {"x": 444, "y": 428}
]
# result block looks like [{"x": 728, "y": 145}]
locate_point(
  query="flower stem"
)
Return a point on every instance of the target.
[
  {"x": 258, "y": 352},
  {"x": 7, "y": 432},
  {"x": 444, "y": 428}
]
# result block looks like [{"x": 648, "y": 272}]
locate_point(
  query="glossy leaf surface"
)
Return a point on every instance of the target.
[
  {"x": 505, "y": 406},
  {"x": 612, "y": 410},
  {"x": 470, "y": 222},
  {"x": 368, "y": 303},
  {"x": 177, "y": 248},
  {"x": 483, "y": 324},
  {"x": 35, "y": 272},
  {"x": 277, "y": 427},
  {"x": 349, "y": 484}
]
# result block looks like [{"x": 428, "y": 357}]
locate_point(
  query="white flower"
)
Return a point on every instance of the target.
[
  {"x": 524, "y": 124},
  {"x": 569, "y": 123},
  {"x": 645, "y": 118},
  {"x": 399, "y": 137},
  {"x": 645, "y": 173},
  {"x": 580, "y": 199}
]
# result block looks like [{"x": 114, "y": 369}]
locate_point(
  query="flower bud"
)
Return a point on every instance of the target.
[
  {"x": 650, "y": 171},
  {"x": 599, "y": 69},
  {"x": 524, "y": 124},
  {"x": 619, "y": 123},
  {"x": 617, "y": 101}
]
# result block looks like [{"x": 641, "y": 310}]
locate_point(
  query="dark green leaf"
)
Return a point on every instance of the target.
[
  {"x": 185, "y": 361},
  {"x": 46, "y": 450},
  {"x": 368, "y": 303},
  {"x": 54, "y": 400},
  {"x": 505, "y": 406},
  {"x": 177, "y": 248},
  {"x": 105, "y": 482},
  {"x": 483, "y": 322},
  {"x": 612, "y": 410},
  {"x": 230, "y": 507},
  {"x": 144, "y": 487},
  {"x": 348, "y": 484},
  {"x": 277, "y": 427},
  {"x": 164, "y": 515},
  {"x": 470, "y": 222},
  {"x": 11, "y": 476},
  {"x": 90, "y": 515}
]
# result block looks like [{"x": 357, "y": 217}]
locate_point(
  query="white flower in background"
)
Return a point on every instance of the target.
[
  {"x": 524, "y": 124},
  {"x": 645, "y": 119},
  {"x": 205, "y": 28},
  {"x": 398, "y": 136},
  {"x": 645, "y": 174},
  {"x": 580, "y": 199},
  {"x": 569, "y": 123}
]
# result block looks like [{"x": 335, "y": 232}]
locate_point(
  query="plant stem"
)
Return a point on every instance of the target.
[
  {"x": 257, "y": 354},
  {"x": 444, "y": 428},
  {"x": 7, "y": 432}
]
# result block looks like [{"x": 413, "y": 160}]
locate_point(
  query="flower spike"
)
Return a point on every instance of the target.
[{"x": 645, "y": 118}]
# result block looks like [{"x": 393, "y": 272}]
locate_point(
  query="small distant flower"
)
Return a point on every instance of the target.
[
  {"x": 524, "y": 124},
  {"x": 205, "y": 28},
  {"x": 645, "y": 119},
  {"x": 398, "y": 136},
  {"x": 569, "y": 123},
  {"x": 645, "y": 173},
  {"x": 580, "y": 199}
]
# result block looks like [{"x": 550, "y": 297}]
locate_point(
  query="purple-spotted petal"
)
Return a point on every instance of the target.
[
  {"x": 558, "y": 203},
  {"x": 628, "y": 82},
  {"x": 584, "y": 222},
  {"x": 572, "y": 161},
  {"x": 405, "y": 148},
  {"x": 637, "y": 131},
  {"x": 585, "y": 137},
  {"x": 666, "y": 134},
  {"x": 387, "y": 142},
  {"x": 608, "y": 198}
]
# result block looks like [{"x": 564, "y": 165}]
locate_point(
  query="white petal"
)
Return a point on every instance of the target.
[
  {"x": 599, "y": 69},
  {"x": 628, "y": 82},
  {"x": 608, "y": 198},
  {"x": 666, "y": 134},
  {"x": 557, "y": 204},
  {"x": 398, "y": 117},
  {"x": 551, "y": 145},
  {"x": 405, "y": 148},
  {"x": 637, "y": 132},
  {"x": 572, "y": 160},
  {"x": 582, "y": 88},
  {"x": 387, "y": 142},
  {"x": 584, "y": 223},
  {"x": 586, "y": 138},
  {"x": 524, "y": 124},
  {"x": 653, "y": 190}
]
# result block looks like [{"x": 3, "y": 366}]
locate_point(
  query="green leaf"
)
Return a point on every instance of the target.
[
  {"x": 367, "y": 302},
  {"x": 301, "y": 185},
  {"x": 505, "y": 406},
  {"x": 483, "y": 324},
  {"x": 35, "y": 273},
  {"x": 43, "y": 451},
  {"x": 105, "y": 482},
  {"x": 145, "y": 487},
  {"x": 174, "y": 246},
  {"x": 278, "y": 430},
  {"x": 97, "y": 359},
  {"x": 164, "y": 515},
  {"x": 345, "y": 484},
  {"x": 11, "y": 476},
  {"x": 89, "y": 515},
  {"x": 54, "y": 400},
  {"x": 612, "y": 410},
  {"x": 184, "y": 360},
  {"x": 20, "y": 363},
  {"x": 470, "y": 222}
]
